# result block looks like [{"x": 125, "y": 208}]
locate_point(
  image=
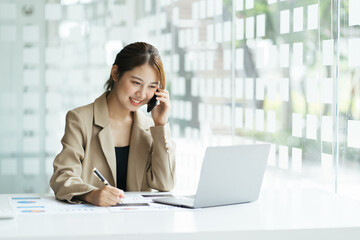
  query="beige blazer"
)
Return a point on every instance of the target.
[{"x": 88, "y": 143}]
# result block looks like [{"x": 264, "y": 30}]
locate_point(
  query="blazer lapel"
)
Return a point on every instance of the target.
[
  {"x": 107, "y": 146},
  {"x": 140, "y": 144},
  {"x": 101, "y": 118}
]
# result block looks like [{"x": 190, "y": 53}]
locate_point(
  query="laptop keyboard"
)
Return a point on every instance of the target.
[{"x": 182, "y": 201}]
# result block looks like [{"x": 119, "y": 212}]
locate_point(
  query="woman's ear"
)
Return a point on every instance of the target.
[{"x": 114, "y": 73}]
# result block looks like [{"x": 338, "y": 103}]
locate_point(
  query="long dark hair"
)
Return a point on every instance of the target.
[{"x": 134, "y": 55}]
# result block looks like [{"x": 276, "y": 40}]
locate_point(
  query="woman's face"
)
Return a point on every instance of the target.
[{"x": 136, "y": 87}]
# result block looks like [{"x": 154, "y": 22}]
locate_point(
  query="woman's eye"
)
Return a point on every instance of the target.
[
  {"x": 136, "y": 82},
  {"x": 153, "y": 86}
]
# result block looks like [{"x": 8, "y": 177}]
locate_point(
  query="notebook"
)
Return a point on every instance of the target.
[{"x": 229, "y": 175}]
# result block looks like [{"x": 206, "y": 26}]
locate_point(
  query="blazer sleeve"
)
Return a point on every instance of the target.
[
  {"x": 66, "y": 180},
  {"x": 161, "y": 171}
]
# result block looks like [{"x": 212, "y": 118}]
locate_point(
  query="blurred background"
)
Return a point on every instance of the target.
[{"x": 283, "y": 72}]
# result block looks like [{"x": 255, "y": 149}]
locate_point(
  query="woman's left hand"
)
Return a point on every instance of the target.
[{"x": 161, "y": 112}]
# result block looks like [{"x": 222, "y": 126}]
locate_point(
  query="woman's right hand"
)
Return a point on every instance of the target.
[{"x": 104, "y": 197}]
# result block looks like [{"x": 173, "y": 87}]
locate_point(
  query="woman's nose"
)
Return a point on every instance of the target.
[{"x": 141, "y": 93}]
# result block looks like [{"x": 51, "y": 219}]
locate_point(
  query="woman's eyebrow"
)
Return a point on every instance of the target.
[{"x": 143, "y": 80}]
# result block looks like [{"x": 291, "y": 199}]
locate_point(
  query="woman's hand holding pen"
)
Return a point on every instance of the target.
[
  {"x": 105, "y": 196},
  {"x": 161, "y": 112}
]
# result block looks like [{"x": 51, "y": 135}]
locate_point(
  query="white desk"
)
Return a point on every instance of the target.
[{"x": 278, "y": 214}]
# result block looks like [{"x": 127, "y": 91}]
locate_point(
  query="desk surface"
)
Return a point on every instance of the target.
[{"x": 278, "y": 214}]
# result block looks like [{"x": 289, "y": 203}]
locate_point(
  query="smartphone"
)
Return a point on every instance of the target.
[{"x": 152, "y": 103}]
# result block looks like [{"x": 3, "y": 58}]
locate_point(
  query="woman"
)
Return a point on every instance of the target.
[{"x": 132, "y": 151}]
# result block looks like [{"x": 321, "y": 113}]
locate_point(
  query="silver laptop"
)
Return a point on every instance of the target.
[{"x": 229, "y": 175}]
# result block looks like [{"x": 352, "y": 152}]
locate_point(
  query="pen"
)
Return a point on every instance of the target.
[{"x": 102, "y": 179}]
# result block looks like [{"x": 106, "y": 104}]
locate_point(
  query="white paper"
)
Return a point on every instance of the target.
[
  {"x": 8, "y": 33},
  {"x": 298, "y": 20},
  {"x": 249, "y": 88},
  {"x": 297, "y": 57},
  {"x": 260, "y": 25},
  {"x": 327, "y": 52},
  {"x": 354, "y": 16},
  {"x": 354, "y": 52},
  {"x": 239, "y": 117},
  {"x": 202, "y": 61},
  {"x": 326, "y": 128},
  {"x": 284, "y": 21},
  {"x": 297, "y": 125},
  {"x": 259, "y": 120},
  {"x": 312, "y": 16},
  {"x": 311, "y": 126},
  {"x": 239, "y": 28},
  {"x": 296, "y": 160},
  {"x": 249, "y": 118},
  {"x": 249, "y": 28},
  {"x": 260, "y": 88},
  {"x": 283, "y": 157},
  {"x": 353, "y": 136}
]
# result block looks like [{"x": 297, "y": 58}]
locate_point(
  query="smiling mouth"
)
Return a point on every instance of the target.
[{"x": 135, "y": 102}]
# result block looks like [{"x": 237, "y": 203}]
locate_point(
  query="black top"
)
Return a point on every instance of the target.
[{"x": 122, "y": 155}]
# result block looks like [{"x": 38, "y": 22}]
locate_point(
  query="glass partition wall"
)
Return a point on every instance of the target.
[{"x": 282, "y": 72}]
